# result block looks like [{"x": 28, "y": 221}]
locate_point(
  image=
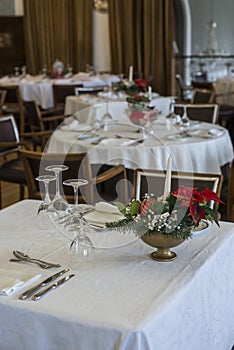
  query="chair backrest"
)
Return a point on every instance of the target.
[
  {"x": 200, "y": 76},
  {"x": 35, "y": 164},
  {"x": 13, "y": 96},
  {"x": 202, "y": 96},
  {"x": 202, "y": 85},
  {"x": 60, "y": 92},
  {"x": 230, "y": 195},
  {"x": 2, "y": 99},
  {"x": 152, "y": 181},
  {"x": 32, "y": 115},
  {"x": 88, "y": 90},
  {"x": 203, "y": 112},
  {"x": 8, "y": 134}
]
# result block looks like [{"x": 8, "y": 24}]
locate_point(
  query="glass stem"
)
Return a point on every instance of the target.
[
  {"x": 76, "y": 195},
  {"x": 57, "y": 193},
  {"x": 47, "y": 197}
]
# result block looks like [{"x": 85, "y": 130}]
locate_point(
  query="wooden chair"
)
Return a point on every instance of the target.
[
  {"x": 40, "y": 127},
  {"x": 230, "y": 195},
  {"x": 88, "y": 90},
  {"x": 200, "y": 96},
  {"x": 60, "y": 92},
  {"x": 203, "y": 112},
  {"x": 183, "y": 89},
  {"x": 208, "y": 85},
  {"x": 152, "y": 181},
  {"x": 11, "y": 167},
  {"x": 200, "y": 76},
  {"x": 14, "y": 105},
  {"x": 2, "y": 100},
  {"x": 79, "y": 166}
]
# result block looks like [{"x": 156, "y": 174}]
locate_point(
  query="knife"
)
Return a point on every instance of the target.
[
  {"x": 53, "y": 286},
  {"x": 28, "y": 293}
]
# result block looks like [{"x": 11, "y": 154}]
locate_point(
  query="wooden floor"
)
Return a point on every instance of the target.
[{"x": 10, "y": 194}]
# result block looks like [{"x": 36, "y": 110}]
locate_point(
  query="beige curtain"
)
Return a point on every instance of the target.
[
  {"x": 56, "y": 29},
  {"x": 141, "y": 34}
]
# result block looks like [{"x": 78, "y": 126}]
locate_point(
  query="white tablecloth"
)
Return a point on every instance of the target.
[
  {"x": 127, "y": 301},
  {"x": 193, "y": 154},
  {"x": 40, "y": 90},
  {"x": 116, "y": 104}
]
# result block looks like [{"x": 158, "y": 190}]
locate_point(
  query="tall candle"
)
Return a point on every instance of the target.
[
  {"x": 167, "y": 186},
  {"x": 130, "y": 73},
  {"x": 150, "y": 92}
]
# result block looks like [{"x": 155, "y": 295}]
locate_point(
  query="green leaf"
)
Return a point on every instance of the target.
[
  {"x": 134, "y": 207},
  {"x": 121, "y": 207}
]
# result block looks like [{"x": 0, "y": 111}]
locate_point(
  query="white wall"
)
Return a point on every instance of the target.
[
  {"x": 101, "y": 42},
  {"x": 223, "y": 13}
]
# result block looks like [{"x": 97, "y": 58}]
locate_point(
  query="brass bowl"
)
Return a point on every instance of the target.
[{"x": 163, "y": 244}]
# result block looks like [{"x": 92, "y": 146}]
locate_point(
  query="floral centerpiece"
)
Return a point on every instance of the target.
[
  {"x": 172, "y": 217},
  {"x": 140, "y": 110},
  {"x": 130, "y": 88}
]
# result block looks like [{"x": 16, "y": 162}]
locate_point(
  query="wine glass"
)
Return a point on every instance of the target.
[
  {"x": 45, "y": 179},
  {"x": 81, "y": 250},
  {"x": 57, "y": 169},
  {"x": 185, "y": 121}
]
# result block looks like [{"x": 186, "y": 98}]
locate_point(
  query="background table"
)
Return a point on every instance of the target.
[
  {"x": 128, "y": 301},
  {"x": 193, "y": 154},
  {"x": 35, "y": 88},
  {"x": 116, "y": 104}
]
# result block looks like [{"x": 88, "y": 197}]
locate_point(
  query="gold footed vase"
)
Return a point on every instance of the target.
[{"x": 163, "y": 244}]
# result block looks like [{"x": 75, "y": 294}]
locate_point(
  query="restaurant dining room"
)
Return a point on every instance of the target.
[{"x": 116, "y": 175}]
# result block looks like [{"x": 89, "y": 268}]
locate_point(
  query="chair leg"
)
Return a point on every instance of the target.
[
  {"x": 21, "y": 192},
  {"x": 0, "y": 194}
]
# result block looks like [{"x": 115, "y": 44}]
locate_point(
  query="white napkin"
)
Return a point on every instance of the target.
[
  {"x": 9, "y": 285},
  {"x": 107, "y": 208},
  {"x": 215, "y": 132},
  {"x": 117, "y": 142},
  {"x": 103, "y": 213},
  {"x": 75, "y": 126}
]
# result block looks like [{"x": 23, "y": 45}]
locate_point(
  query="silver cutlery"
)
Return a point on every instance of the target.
[
  {"x": 53, "y": 286},
  {"x": 28, "y": 293},
  {"x": 22, "y": 256},
  {"x": 42, "y": 265}
]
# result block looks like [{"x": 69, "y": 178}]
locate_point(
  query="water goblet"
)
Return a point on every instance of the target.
[
  {"x": 185, "y": 121},
  {"x": 44, "y": 222},
  {"x": 81, "y": 250},
  {"x": 57, "y": 169}
]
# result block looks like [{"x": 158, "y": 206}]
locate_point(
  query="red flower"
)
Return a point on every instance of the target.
[
  {"x": 145, "y": 205},
  {"x": 141, "y": 83},
  {"x": 210, "y": 196}
]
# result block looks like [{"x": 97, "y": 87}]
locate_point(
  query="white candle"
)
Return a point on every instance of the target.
[
  {"x": 150, "y": 92},
  {"x": 167, "y": 186},
  {"x": 130, "y": 73}
]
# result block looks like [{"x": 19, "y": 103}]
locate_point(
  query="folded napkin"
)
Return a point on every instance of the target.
[
  {"x": 10, "y": 285},
  {"x": 103, "y": 213},
  {"x": 75, "y": 126},
  {"x": 117, "y": 142},
  {"x": 215, "y": 132}
]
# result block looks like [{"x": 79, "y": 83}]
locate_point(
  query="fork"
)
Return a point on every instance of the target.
[
  {"x": 42, "y": 265},
  {"x": 24, "y": 257}
]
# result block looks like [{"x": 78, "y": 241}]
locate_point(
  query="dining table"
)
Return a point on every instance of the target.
[
  {"x": 39, "y": 88},
  {"x": 127, "y": 300},
  {"x": 202, "y": 147}
]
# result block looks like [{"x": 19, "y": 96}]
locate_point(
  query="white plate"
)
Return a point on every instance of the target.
[
  {"x": 201, "y": 228},
  {"x": 88, "y": 137},
  {"x": 177, "y": 137}
]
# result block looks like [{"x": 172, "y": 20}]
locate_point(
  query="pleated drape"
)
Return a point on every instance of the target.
[
  {"x": 58, "y": 29},
  {"x": 141, "y": 34}
]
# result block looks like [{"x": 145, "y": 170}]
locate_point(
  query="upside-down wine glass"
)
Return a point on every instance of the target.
[
  {"x": 57, "y": 169},
  {"x": 81, "y": 249},
  {"x": 44, "y": 222}
]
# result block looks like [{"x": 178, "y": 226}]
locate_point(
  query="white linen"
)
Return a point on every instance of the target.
[
  {"x": 225, "y": 86},
  {"x": 201, "y": 152},
  {"x": 128, "y": 301},
  {"x": 39, "y": 89},
  {"x": 10, "y": 285},
  {"x": 117, "y": 106}
]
